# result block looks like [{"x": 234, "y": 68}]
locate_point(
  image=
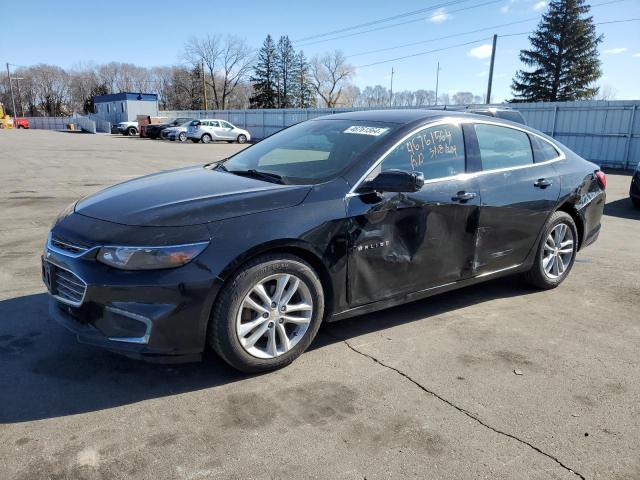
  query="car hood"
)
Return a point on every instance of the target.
[{"x": 188, "y": 196}]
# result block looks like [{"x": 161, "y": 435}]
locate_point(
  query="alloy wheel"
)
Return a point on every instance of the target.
[
  {"x": 558, "y": 251},
  {"x": 274, "y": 316}
]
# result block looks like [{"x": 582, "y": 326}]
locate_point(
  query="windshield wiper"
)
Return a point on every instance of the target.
[{"x": 268, "y": 176}]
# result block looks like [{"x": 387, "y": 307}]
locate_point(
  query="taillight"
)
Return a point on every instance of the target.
[{"x": 602, "y": 179}]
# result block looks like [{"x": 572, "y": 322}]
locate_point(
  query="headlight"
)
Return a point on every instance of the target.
[{"x": 150, "y": 258}]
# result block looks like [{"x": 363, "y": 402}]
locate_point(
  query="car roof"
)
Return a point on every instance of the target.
[
  {"x": 410, "y": 115},
  {"x": 213, "y": 119}
]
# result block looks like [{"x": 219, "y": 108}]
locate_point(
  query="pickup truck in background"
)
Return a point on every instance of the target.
[{"x": 128, "y": 128}]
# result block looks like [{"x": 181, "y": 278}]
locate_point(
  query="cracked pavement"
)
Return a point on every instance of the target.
[{"x": 425, "y": 390}]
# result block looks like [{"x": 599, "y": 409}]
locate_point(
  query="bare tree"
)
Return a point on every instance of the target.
[
  {"x": 330, "y": 74},
  {"x": 462, "y": 98},
  {"x": 228, "y": 61}
]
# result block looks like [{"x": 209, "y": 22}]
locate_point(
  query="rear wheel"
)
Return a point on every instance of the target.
[
  {"x": 556, "y": 252},
  {"x": 268, "y": 314},
  {"x": 132, "y": 132},
  {"x": 20, "y": 127},
  {"x": 206, "y": 138},
  {"x": 242, "y": 138}
]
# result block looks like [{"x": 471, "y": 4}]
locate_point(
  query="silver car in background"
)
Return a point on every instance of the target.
[
  {"x": 178, "y": 132},
  {"x": 206, "y": 130}
]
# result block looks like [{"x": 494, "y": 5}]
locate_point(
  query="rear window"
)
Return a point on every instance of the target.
[
  {"x": 503, "y": 147},
  {"x": 543, "y": 151}
]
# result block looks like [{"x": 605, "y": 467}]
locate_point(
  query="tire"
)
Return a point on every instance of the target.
[
  {"x": 20, "y": 127},
  {"x": 560, "y": 265},
  {"x": 182, "y": 137},
  {"x": 242, "y": 139},
  {"x": 231, "y": 312},
  {"x": 206, "y": 138},
  {"x": 132, "y": 132},
  {"x": 195, "y": 140},
  {"x": 636, "y": 202}
]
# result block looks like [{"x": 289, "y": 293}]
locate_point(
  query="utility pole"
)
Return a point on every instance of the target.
[
  {"x": 204, "y": 86},
  {"x": 13, "y": 100},
  {"x": 391, "y": 93},
  {"x": 437, "y": 81},
  {"x": 493, "y": 58},
  {"x": 17, "y": 79}
]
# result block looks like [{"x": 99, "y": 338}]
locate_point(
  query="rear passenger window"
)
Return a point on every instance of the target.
[
  {"x": 437, "y": 152},
  {"x": 503, "y": 147},
  {"x": 543, "y": 151}
]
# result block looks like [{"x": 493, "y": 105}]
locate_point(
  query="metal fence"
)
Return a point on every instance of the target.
[{"x": 605, "y": 132}]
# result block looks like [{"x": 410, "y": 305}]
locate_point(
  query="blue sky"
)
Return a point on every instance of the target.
[{"x": 68, "y": 33}]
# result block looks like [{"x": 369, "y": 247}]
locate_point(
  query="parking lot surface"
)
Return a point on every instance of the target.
[{"x": 425, "y": 390}]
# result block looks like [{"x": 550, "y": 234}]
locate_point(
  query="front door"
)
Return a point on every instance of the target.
[
  {"x": 406, "y": 242},
  {"x": 518, "y": 195}
]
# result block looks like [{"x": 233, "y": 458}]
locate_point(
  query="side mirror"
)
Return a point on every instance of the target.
[{"x": 399, "y": 181}]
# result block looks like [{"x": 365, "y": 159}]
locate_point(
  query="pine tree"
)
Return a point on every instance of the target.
[
  {"x": 285, "y": 78},
  {"x": 564, "y": 56},
  {"x": 303, "y": 96},
  {"x": 264, "y": 78}
]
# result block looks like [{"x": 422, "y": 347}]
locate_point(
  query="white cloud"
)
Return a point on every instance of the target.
[
  {"x": 616, "y": 51},
  {"x": 540, "y": 5},
  {"x": 482, "y": 74},
  {"x": 439, "y": 16},
  {"x": 636, "y": 55},
  {"x": 504, "y": 8},
  {"x": 481, "y": 52}
]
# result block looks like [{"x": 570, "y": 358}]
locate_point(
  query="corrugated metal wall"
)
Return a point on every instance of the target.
[{"x": 605, "y": 132}]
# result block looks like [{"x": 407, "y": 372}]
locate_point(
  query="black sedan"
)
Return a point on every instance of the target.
[
  {"x": 331, "y": 218},
  {"x": 154, "y": 131}
]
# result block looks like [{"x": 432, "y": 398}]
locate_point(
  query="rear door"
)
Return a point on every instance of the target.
[
  {"x": 518, "y": 195},
  {"x": 406, "y": 242},
  {"x": 226, "y": 130}
]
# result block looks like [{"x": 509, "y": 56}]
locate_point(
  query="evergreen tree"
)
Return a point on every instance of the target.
[
  {"x": 265, "y": 75},
  {"x": 564, "y": 56},
  {"x": 285, "y": 76},
  {"x": 303, "y": 94}
]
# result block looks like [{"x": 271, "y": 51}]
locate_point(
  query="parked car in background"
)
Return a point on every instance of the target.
[
  {"x": 331, "y": 218},
  {"x": 154, "y": 131},
  {"x": 634, "y": 189},
  {"x": 176, "y": 133},
  {"x": 128, "y": 128},
  {"x": 505, "y": 113},
  {"x": 208, "y": 129}
]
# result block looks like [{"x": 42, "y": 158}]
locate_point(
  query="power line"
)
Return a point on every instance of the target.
[
  {"x": 476, "y": 41},
  {"x": 425, "y": 52},
  {"x": 466, "y": 32},
  {"x": 597, "y": 23},
  {"x": 396, "y": 24},
  {"x": 443, "y": 38},
  {"x": 381, "y": 20}
]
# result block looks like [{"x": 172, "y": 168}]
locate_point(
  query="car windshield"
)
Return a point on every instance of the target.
[{"x": 310, "y": 152}]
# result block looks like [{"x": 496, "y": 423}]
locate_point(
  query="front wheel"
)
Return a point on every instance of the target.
[
  {"x": 267, "y": 314},
  {"x": 182, "y": 137},
  {"x": 242, "y": 139},
  {"x": 556, "y": 252},
  {"x": 132, "y": 132},
  {"x": 206, "y": 138}
]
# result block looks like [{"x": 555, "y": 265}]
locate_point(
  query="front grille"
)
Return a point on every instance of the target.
[
  {"x": 73, "y": 248},
  {"x": 66, "y": 286}
]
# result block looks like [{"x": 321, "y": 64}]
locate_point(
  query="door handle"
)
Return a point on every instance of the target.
[
  {"x": 463, "y": 196},
  {"x": 543, "y": 183}
]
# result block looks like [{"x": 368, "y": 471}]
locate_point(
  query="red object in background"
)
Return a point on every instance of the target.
[
  {"x": 20, "y": 123},
  {"x": 602, "y": 179}
]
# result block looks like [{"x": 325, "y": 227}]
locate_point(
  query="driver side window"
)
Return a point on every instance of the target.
[{"x": 436, "y": 151}]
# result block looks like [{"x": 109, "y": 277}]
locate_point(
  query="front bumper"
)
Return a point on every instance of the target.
[{"x": 158, "y": 315}]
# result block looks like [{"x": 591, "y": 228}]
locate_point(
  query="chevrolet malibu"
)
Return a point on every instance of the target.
[{"x": 331, "y": 218}]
